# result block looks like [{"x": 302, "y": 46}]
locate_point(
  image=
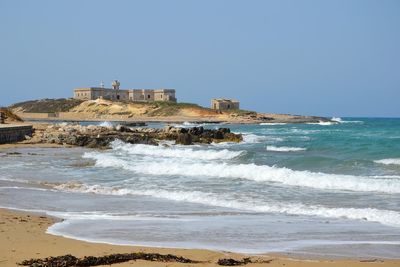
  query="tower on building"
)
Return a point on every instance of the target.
[{"x": 115, "y": 85}]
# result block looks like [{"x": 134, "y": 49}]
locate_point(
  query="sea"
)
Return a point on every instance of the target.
[{"x": 329, "y": 190}]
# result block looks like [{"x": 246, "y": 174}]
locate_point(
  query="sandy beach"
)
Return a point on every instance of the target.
[{"x": 23, "y": 236}]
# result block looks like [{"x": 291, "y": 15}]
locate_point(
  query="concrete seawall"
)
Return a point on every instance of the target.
[{"x": 14, "y": 133}]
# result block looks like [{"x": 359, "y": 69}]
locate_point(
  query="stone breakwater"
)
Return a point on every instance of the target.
[{"x": 101, "y": 137}]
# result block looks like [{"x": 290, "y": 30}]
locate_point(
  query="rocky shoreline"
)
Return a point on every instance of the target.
[{"x": 101, "y": 136}]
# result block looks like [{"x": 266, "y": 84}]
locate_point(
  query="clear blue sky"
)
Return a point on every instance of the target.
[{"x": 332, "y": 58}]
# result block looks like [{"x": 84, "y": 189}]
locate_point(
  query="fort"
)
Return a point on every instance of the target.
[{"x": 115, "y": 93}]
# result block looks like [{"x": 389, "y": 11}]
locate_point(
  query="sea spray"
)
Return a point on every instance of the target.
[{"x": 175, "y": 151}]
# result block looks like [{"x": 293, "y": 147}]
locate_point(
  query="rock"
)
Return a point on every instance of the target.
[
  {"x": 233, "y": 262},
  {"x": 122, "y": 128},
  {"x": 184, "y": 139},
  {"x": 101, "y": 137},
  {"x": 224, "y": 130}
]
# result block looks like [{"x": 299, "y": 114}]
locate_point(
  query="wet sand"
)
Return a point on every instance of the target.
[{"x": 23, "y": 236}]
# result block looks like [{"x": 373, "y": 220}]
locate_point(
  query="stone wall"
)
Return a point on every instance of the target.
[{"x": 10, "y": 134}]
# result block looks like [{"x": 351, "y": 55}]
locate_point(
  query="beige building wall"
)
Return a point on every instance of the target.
[
  {"x": 165, "y": 95},
  {"x": 83, "y": 93},
  {"x": 136, "y": 95},
  {"x": 93, "y": 93},
  {"x": 148, "y": 95},
  {"x": 224, "y": 104}
]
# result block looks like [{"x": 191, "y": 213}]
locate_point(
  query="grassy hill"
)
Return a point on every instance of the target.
[{"x": 46, "y": 105}]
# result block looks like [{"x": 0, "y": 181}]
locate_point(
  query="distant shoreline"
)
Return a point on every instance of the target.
[{"x": 106, "y": 110}]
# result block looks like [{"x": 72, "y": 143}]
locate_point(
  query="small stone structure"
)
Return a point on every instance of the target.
[
  {"x": 224, "y": 104},
  {"x": 14, "y": 133},
  {"x": 115, "y": 93}
]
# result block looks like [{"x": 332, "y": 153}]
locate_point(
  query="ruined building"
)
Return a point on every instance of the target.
[
  {"x": 224, "y": 104},
  {"x": 115, "y": 93}
]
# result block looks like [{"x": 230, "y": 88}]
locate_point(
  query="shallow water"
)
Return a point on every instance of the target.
[{"x": 319, "y": 189}]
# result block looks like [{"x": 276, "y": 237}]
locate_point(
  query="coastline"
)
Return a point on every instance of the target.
[{"x": 24, "y": 237}]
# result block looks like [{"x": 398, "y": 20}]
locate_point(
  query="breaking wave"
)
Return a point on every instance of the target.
[
  {"x": 251, "y": 138},
  {"x": 324, "y": 123},
  {"x": 285, "y": 148},
  {"x": 188, "y": 124},
  {"x": 175, "y": 152},
  {"x": 392, "y": 161},
  {"x": 387, "y": 217},
  {"x": 253, "y": 172},
  {"x": 339, "y": 120}
]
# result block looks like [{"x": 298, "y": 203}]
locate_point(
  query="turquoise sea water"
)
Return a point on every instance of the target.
[{"x": 329, "y": 190}]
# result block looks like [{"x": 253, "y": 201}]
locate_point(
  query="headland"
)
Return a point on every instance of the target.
[{"x": 156, "y": 111}]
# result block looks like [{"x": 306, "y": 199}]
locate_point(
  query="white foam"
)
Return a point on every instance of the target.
[
  {"x": 106, "y": 124},
  {"x": 259, "y": 173},
  {"x": 175, "y": 152},
  {"x": 188, "y": 124},
  {"x": 285, "y": 148},
  {"x": 387, "y": 217},
  {"x": 339, "y": 120},
  {"x": 392, "y": 161},
  {"x": 253, "y": 138},
  {"x": 324, "y": 123}
]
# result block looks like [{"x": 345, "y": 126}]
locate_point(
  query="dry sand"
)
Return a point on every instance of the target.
[{"x": 22, "y": 236}]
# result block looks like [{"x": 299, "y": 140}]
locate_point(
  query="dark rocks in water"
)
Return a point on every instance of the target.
[
  {"x": 69, "y": 260},
  {"x": 184, "y": 139},
  {"x": 101, "y": 137},
  {"x": 233, "y": 262},
  {"x": 207, "y": 136}
]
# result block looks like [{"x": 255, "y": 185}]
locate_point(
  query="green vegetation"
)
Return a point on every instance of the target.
[
  {"x": 47, "y": 105},
  {"x": 241, "y": 112}
]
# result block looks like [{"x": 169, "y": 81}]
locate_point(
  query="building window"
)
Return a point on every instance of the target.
[{"x": 148, "y": 96}]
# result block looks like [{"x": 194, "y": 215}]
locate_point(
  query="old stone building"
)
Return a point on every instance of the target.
[
  {"x": 115, "y": 93},
  {"x": 224, "y": 104}
]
